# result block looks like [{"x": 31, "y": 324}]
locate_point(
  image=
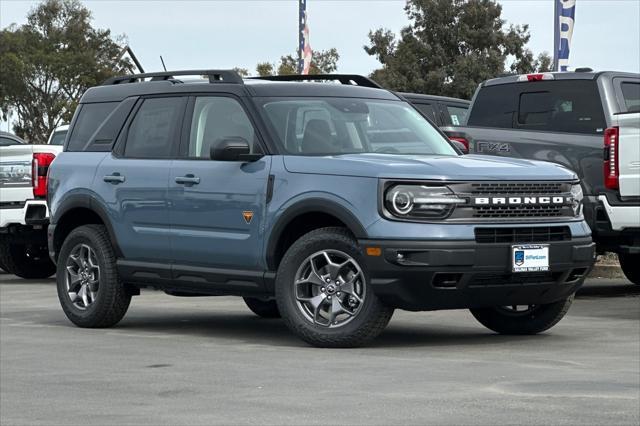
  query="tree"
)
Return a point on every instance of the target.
[
  {"x": 450, "y": 47},
  {"x": 49, "y": 62},
  {"x": 322, "y": 62}
]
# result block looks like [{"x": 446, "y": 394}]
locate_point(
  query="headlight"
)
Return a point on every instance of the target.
[
  {"x": 420, "y": 201},
  {"x": 577, "y": 196}
]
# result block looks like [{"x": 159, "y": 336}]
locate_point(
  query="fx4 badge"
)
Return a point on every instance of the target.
[
  {"x": 247, "y": 215},
  {"x": 493, "y": 147}
]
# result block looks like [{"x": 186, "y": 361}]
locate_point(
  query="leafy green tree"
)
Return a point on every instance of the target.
[
  {"x": 49, "y": 62},
  {"x": 322, "y": 62},
  {"x": 450, "y": 47}
]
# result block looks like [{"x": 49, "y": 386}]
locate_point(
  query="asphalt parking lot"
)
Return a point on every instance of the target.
[{"x": 181, "y": 361}]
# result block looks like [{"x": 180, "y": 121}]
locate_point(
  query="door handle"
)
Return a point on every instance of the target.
[
  {"x": 188, "y": 180},
  {"x": 115, "y": 178}
]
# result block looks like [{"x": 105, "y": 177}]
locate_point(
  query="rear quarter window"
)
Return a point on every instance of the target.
[
  {"x": 631, "y": 96},
  {"x": 90, "y": 117}
]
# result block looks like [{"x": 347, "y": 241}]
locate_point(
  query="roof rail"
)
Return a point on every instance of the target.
[
  {"x": 350, "y": 79},
  {"x": 215, "y": 76}
]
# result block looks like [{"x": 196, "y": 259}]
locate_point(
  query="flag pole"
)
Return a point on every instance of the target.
[
  {"x": 556, "y": 33},
  {"x": 302, "y": 22}
]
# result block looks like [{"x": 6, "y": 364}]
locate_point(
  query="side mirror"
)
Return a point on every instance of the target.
[{"x": 232, "y": 148}]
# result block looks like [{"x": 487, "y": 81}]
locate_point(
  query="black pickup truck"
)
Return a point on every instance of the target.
[{"x": 586, "y": 121}]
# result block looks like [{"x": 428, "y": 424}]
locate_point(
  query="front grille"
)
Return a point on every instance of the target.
[
  {"x": 484, "y": 280},
  {"x": 539, "y": 234},
  {"x": 505, "y": 188},
  {"x": 518, "y": 211}
]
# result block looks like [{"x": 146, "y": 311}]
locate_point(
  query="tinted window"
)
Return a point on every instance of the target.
[
  {"x": 59, "y": 137},
  {"x": 427, "y": 109},
  {"x": 153, "y": 133},
  {"x": 570, "y": 106},
  {"x": 216, "y": 118},
  {"x": 631, "y": 94},
  {"x": 457, "y": 115},
  {"x": 90, "y": 117}
]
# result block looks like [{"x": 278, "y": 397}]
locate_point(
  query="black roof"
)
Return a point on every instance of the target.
[{"x": 227, "y": 81}]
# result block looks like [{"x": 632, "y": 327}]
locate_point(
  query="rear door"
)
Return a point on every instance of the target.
[
  {"x": 217, "y": 207},
  {"x": 133, "y": 179}
]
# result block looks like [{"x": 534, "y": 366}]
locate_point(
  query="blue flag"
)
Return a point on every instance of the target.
[{"x": 564, "y": 18}]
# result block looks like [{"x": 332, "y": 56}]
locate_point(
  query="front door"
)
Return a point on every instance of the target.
[{"x": 217, "y": 207}]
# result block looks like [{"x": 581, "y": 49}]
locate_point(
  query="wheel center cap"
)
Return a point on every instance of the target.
[{"x": 331, "y": 288}]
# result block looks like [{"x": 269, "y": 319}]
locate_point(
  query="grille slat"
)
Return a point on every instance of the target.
[
  {"x": 504, "y": 188},
  {"x": 536, "y": 234}
]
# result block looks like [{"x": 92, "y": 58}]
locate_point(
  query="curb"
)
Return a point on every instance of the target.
[{"x": 606, "y": 271}]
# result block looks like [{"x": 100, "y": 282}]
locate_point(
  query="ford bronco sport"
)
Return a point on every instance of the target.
[{"x": 328, "y": 204}]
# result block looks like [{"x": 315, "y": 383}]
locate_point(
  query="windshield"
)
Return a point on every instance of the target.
[
  {"x": 333, "y": 126},
  {"x": 58, "y": 138}
]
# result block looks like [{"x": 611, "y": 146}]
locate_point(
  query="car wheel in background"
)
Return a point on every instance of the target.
[
  {"x": 25, "y": 261},
  {"x": 89, "y": 289},
  {"x": 523, "y": 319},
  {"x": 630, "y": 264},
  {"x": 323, "y": 291}
]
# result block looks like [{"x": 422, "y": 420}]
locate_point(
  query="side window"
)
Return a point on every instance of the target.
[
  {"x": 631, "y": 95},
  {"x": 216, "y": 118},
  {"x": 153, "y": 133},
  {"x": 90, "y": 117},
  {"x": 7, "y": 141},
  {"x": 428, "y": 110},
  {"x": 457, "y": 115}
]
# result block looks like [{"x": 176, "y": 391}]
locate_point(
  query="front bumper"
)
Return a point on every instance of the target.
[{"x": 434, "y": 275}]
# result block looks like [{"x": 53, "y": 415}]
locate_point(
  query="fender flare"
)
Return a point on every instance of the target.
[
  {"x": 86, "y": 201},
  {"x": 311, "y": 205}
]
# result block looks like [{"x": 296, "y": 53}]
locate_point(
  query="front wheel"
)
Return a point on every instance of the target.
[
  {"x": 323, "y": 291},
  {"x": 630, "y": 267},
  {"x": 523, "y": 319}
]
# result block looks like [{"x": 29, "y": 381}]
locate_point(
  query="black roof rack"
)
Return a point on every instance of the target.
[
  {"x": 350, "y": 79},
  {"x": 215, "y": 76}
]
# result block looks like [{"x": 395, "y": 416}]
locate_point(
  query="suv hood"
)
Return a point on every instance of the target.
[{"x": 455, "y": 168}]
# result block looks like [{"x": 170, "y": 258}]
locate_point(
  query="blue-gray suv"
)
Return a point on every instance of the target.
[{"x": 329, "y": 202}]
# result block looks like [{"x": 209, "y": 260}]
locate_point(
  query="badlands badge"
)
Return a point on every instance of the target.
[{"x": 247, "y": 215}]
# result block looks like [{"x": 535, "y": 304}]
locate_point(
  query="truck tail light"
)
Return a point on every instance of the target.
[
  {"x": 536, "y": 77},
  {"x": 39, "y": 173},
  {"x": 463, "y": 141},
  {"x": 611, "y": 155}
]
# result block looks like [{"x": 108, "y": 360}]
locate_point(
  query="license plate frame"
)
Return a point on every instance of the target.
[{"x": 529, "y": 258}]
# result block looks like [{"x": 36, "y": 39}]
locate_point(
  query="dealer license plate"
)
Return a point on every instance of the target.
[{"x": 530, "y": 258}]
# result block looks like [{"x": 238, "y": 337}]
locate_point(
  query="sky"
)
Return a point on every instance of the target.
[{"x": 225, "y": 34}]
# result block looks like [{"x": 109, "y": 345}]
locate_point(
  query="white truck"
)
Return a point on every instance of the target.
[{"x": 24, "y": 214}]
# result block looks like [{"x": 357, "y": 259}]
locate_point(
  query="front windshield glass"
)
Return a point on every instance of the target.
[
  {"x": 59, "y": 137},
  {"x": 334, "y": 126}
]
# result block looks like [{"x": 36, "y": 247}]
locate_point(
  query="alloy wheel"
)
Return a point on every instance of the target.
[{"x": 82, "y": 276}]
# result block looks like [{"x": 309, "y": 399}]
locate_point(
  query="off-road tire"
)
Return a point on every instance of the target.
[
  {"x": 112, "y": 300},
  {"x": 263, "y": 308},
  {"x": 15, "y": 260},
  {"x": 540, "y": 319},
  {"x": 630, "y": 266},
  {"x": 368, "y": 323}
]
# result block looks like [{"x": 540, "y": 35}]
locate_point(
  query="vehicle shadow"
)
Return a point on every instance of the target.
[{"x": 618, "y": 289}]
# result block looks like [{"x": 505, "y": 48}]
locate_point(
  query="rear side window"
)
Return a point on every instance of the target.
[
  {"x": 59, "y": 137},
  {"x": 90, "y": 117},
  {"x": 153, "y": 133},
  {"x": 631, "y": 95},
  {"x": 569, "y": 106},
  {"x": 457, "y": 115},
  {"x": 8, "y": 141},
  {"x": 427, "y": 109}
]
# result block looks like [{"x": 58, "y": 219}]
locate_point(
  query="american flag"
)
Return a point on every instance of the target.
[{"x": 304, "y": 48}]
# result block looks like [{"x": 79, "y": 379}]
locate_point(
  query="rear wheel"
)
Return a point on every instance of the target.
[
  {"x": 630, "y": 266},
  {"x": 30, "y": 261},
  {"x": 323, "y": 291},
  {"x": 523, "y": 319},
  {"x": 89, "y": 289},
  {"x": 263, "y": 308}
]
